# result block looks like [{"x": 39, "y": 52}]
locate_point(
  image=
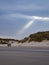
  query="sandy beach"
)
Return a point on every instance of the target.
[
  {"x": 24, "y": 56},
  {"x": 34, "y": 53}
]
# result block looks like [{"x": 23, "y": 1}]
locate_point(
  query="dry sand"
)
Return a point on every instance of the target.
[
  {"x": 23, "y": 56},
  {"x": 31, "y": 44}
]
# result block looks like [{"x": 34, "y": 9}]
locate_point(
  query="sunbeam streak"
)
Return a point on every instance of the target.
[
  {"x": 33, "y": 19},
  {"x": 26, "y": 26}
]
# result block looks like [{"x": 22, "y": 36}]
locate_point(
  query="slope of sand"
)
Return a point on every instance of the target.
[{"x": 31, "y": 44}]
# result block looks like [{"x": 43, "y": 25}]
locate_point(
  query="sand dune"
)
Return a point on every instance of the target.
[{"x": 31, "y": 44}]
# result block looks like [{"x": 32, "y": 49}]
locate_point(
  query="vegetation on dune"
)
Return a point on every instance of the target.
[
  {"x": 40, "y": 36},
  {"x": 23, "y": 40},
  {"x": 7, "y": 41}
]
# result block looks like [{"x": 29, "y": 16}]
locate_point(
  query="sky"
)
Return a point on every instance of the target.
[{"x": 20, "y": 18}]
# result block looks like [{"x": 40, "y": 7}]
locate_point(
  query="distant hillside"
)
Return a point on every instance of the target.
[{"x": 40, "y": 36}]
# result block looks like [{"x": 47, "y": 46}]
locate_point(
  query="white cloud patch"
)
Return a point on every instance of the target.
[{"x": 40, "y": 18}]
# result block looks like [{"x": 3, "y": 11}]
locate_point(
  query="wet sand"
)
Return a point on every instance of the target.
[{"x": 24, "y": 56}]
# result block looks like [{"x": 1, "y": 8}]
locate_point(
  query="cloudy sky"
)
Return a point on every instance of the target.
[{"x": 20, "y": 18}]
